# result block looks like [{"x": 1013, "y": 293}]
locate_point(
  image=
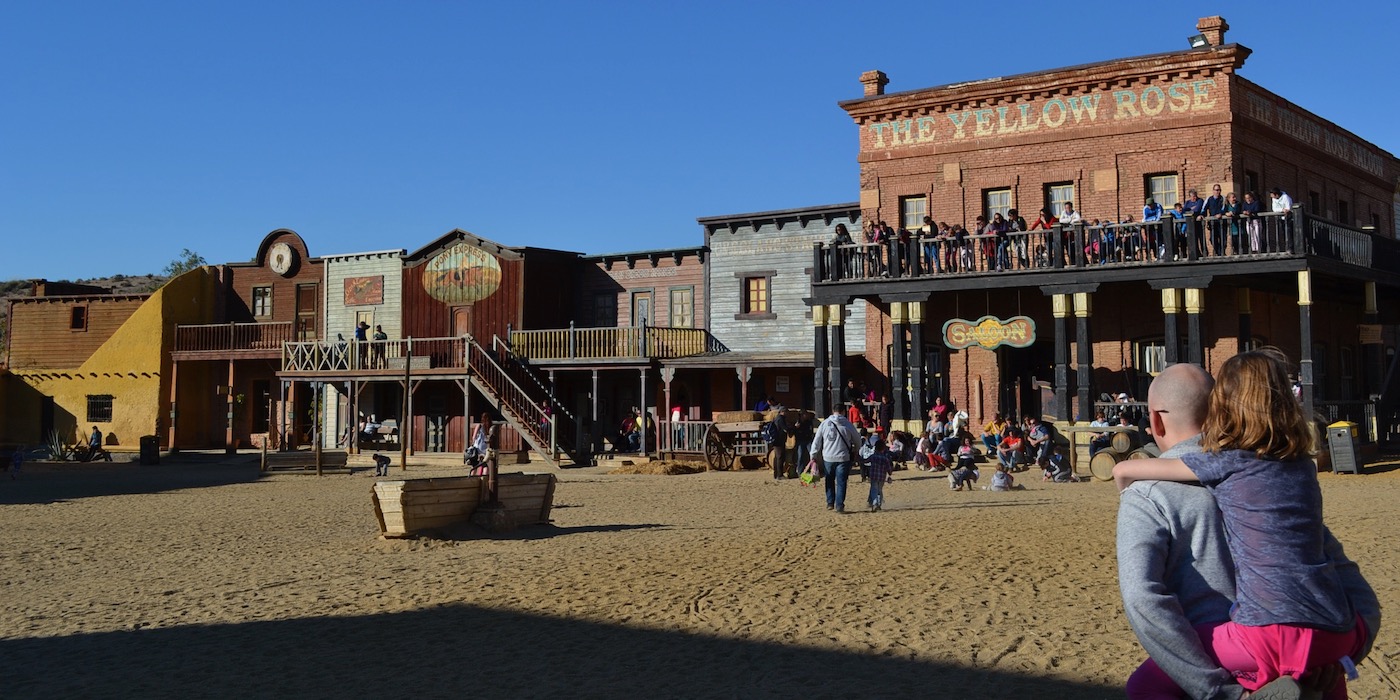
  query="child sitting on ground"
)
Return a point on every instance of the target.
[
  {"x": 965, "y": 473},
  {"x": 1002, "y": 480}
]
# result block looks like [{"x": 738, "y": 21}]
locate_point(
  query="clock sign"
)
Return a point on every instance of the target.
[{"x": 282, "y": 259}]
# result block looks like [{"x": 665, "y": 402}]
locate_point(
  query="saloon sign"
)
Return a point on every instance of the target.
[{"x": 989, "y": 332}]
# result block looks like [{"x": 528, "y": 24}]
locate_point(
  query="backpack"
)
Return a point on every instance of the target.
[{"x": 769, "y": 433}]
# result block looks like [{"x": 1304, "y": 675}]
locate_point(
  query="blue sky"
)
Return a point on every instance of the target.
[{"x": 132, "y": 130}]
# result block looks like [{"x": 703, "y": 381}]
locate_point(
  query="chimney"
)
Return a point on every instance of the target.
[
  {"x": 875, "y": 82},
  {"x": 1214, "y": 28}
]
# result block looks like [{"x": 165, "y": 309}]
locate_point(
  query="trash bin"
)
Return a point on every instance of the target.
[
  {"x": 1341, "y": 442},
  {"x": 150, "y": 449}
]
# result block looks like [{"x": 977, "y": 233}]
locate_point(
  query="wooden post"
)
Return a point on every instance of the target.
[
  {"x": 918, "y": 382},
  {"x": 318, "y": 402},
  {"x": 821, "y": 360},
  {"x": 835, "y": 324},
  {"x": 1082, "y": 311},
  {"x": 1171, "y": 306},
  {"x": 174, "y": 375},
  {"x": 898, "y": 376},
  {"x": 1305, "y": 359},
  {"x": 406, "y": 424},
  {"x": 229, "y": 446},
  {"x": 1059, "y": 304},
  {"x": 1195, "y": 301}
]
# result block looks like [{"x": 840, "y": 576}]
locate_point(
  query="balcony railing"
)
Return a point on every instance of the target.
[
  {"x": 233, "y": 337},
  {"x": 380, "y": 356},
  {"x": 628, "y": 342},
  {"x": 1169, "y": 241}
]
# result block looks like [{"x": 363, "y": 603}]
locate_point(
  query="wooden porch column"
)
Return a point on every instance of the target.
[
  {"x": 664, "y": 437},
  {"x": 282, "y": 418},
  {"x": 1305, "y": 360},
  {"x": 898, "y": 373},
  {"x": 1243, "y": 305},
  {"x": 1059, "y": 306},
  {"x": 743, "y": 372},
  {"x": 1085, "y": 380},
  {"x": 229, "y": 445},
  {"x": 643, "y": 402},
  {"x": 1195, "y": 303},
  {"x": 918, "y": 382},
  {"x": 1371, "y": 349},
  {"x": 820, "y": 361},
  {"x": 1171, "y": 306},
  {"x": 174, "y": 377},
  {"x": 835, "y": 326}
]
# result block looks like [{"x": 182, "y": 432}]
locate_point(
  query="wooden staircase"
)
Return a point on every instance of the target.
[{"x": 520, "y": 397}]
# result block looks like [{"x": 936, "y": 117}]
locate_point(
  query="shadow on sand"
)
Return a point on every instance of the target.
[
  {"x": 55, "y": 482},
  {"x": 461, "y": 650}
]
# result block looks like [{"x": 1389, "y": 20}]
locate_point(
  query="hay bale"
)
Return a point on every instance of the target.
[
  {"x": 737, "y": 416},
  {"x": 660, "y": 467}
]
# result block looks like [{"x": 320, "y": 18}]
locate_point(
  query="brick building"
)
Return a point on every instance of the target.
[{"x": 1048, "y": 321}]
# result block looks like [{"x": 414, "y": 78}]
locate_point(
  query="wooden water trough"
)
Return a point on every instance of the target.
[{"x": 409, "y": 507}]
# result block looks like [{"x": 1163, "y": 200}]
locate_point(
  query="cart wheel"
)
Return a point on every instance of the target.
[{"x": 714, "y": 453}]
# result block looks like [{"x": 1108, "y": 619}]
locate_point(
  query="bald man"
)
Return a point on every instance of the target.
[{"x": 1174, "y": 568}]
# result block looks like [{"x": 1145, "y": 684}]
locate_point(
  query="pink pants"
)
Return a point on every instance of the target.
[{"x": 1257, "y": 655}]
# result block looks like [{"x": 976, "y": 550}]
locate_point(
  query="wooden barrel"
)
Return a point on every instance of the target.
[
  {"x": 1125, "y": 441},
  {"x": 1101, "y": 464},
  {"x": 1139, "y": 453}
]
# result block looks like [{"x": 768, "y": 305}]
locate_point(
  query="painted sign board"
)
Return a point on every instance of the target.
[{"x": 989, "y": 332}]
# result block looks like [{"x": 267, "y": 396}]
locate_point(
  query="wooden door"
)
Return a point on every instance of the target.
[
  {"x": 307, "y": 295},
  {"x": 461, "y": 321}
]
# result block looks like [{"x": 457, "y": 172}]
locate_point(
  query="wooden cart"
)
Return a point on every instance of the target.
[{"x": 728, "y": 441}]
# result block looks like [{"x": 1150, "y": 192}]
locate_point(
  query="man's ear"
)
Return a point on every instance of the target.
[{"x": 1158, "y": 428}]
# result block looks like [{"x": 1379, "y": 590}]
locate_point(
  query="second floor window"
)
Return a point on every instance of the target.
[
  {"x": 1164, "y": 190},
  {"x": 912, "y": 211},
  {"x": 604, "y": 310},
  {"x": 755, "y": 295},
  {"x": 77, "y": 319},
  {"x": 997, "y": 202},
  {"x": 683, "y": 308},
  {"x": 1057, "y": 195},
  {"x": 262, "y": 302}
]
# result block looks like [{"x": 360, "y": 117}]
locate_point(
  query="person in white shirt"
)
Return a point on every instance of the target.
[{"x": 1283, "y": 204}]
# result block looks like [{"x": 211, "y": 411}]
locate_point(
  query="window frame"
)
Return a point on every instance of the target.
[
  {"x": 765, "y": 279},
  {"x": 989, "y": 210},
  {"x": 262, "y": 297},
  {"x": 78, "y": 317},
  {"x": 905, "y": 213},
  {"x": 1057, "y": 206},
  {"x": 606, "y": 303},
  {"x": 688, "y": 305},
  {"x": 1155, "y": 193},
  {"x": 96, "y": 410}
]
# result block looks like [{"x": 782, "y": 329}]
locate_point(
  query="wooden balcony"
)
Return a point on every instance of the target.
[
  {"x": 628, "y": 343},
  {"x": 390, "y": 358},
  {"x": 1124, "y": 251},
  {"x": 219, "y": 341}
]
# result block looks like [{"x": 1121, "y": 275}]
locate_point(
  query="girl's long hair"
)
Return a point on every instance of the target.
[{"x": 1252, "y": 407}]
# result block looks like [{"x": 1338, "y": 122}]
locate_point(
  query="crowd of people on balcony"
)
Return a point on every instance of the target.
[{"x": 1217, "y": 226}]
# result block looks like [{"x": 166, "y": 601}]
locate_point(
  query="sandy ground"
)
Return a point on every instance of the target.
[{"x": 201, "y": 579}]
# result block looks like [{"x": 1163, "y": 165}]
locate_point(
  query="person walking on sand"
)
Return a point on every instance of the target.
[
  {"x": 879, "y": 469},
  {"x": 835, "y": 443}
]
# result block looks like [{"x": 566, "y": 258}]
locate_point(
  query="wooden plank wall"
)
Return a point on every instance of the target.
[
  {"x": 40, "y": 337},
  {"x": 623, "y": 280},
  {"x": 426, "y": 317}
]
